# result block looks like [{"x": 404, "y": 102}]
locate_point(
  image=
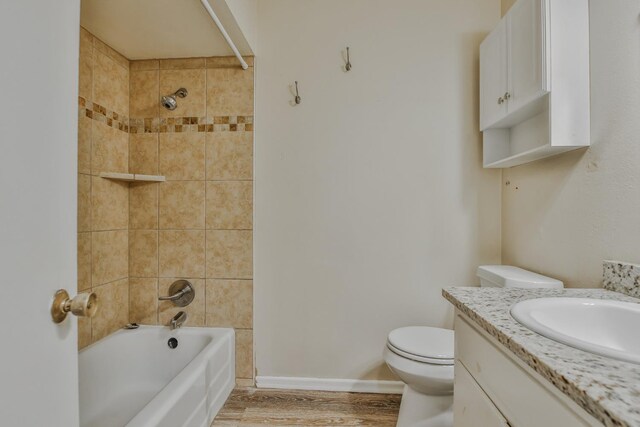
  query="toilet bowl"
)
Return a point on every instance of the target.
[{"x": 423, "y": 357}]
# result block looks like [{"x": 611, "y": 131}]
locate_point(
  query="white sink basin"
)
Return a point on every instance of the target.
[{"x": 604, "y": 327}]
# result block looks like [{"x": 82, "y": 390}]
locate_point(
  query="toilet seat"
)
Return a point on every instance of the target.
[
  {"x": 423, "y": 344},
  {"x": 428, "y": 378}
]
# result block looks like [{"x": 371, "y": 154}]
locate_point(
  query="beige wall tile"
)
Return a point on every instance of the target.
[
  {"x": 109, "y": 204},
  {"x": 113, "y": 308},
  {"x": 144, "y": 64},
  {"x": 110, "y": 84},
  {"x": 229, "y": 155},
  {"x": 144, "y": 89},
  {"x": 182, "y": 156},
  {"x": 84, "y": 332},
  {"x": 244, "y": 353},
  {"x": 84, "y": 143},
  {"x": 143, "y": 253},
  {"x": 186, "y": 159},
  {"x": 182, "y": 63},
  {"x": 85, "y": 78},
  {"x": 192, "y": 80},
  {"x": 143, "y": 301},
  {"x": 143, "y": 206},
  {"x": 195, "y": 311},
  {"x": 102, "y": 47},
  {"x": 229, "y": 205},
  {"x": 229, "y": 92},
  {"x": 182, "y": 253},
  {"x": 230, "y": 303},
  {"x": 229, "y": 254},
  {"x": 109, "y": 149},
  {"x": 84, "y": 202},
  {"x": 84, "y": 261},
  {"x": 143, "y": 153},
  {"x": 227, "y": 61},
  {"x": 109, "y": 256},
  {"x": 182, "y": 204},
  {"x": 245, "y": 382}
]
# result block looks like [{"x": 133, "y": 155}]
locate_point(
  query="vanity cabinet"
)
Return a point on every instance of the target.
[
  {"x": 534, "y": 82},
  {"x": 473, "y": 407},
  {"x": 494, "y": 388}
]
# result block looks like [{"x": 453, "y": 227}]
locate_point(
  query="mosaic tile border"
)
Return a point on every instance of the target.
[
  {"x": 118, "y": 121},
  {"x": 99, "y": 113},
  {"x": 623, "y": 277},
  {"x": 192, "y": 124}
]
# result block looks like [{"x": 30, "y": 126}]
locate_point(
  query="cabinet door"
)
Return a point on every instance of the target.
[
  {"x": 493, "y": 76},
  {"x": 527, "y": 52},
  {"x": 471, "y": 406}
]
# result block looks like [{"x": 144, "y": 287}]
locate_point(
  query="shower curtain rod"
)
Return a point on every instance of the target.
[{"x": 233, "y": 47}]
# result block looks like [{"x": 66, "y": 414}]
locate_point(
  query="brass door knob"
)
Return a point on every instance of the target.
[{"x": 84, "y": 305}]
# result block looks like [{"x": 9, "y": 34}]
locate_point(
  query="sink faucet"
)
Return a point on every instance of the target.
[{"x": 178, "y": 320}]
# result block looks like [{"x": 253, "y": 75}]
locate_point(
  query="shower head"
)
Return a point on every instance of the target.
[{"x": 169, "y": 101}]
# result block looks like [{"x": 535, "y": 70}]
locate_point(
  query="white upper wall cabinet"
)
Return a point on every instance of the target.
[
  {"x": 527, "y": 70},
  {"x": 534, "y": 82},
  {"x": 493, "y": 76}
]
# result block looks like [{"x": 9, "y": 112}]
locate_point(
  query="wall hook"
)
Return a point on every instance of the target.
[
  {"x": 347, "y": 66},
  {"x": 297, "y": 99}
]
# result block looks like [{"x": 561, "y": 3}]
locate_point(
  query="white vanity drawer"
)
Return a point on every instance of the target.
[
  {"x": 472, "y": 407},
  {"x": 521, "y": 395}
]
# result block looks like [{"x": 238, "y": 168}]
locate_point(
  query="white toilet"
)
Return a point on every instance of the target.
[{"x": 422, "y": 357}]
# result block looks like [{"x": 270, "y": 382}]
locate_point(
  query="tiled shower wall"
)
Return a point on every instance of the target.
[
  {"x": 198, "y": 224},
  {"x": 103, "y": 205}
]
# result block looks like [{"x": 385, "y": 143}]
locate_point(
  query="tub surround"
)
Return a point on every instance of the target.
[
  {"x": 136, "y": 238},
  {"x": 622, "y": 277},
  {"x": 103, "y": 205},
  {"x": 198, "y": 224},
  {"x": 606, "y": 388}
]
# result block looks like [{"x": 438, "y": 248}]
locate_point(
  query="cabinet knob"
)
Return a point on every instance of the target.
[
  {"x": 500, "y": 100},
  {"x": 506, "y": 96}
]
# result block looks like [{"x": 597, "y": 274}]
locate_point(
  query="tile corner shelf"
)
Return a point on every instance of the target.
[
  {"x": 132, "y": 177},
  {"x": 534, "y": 83}
]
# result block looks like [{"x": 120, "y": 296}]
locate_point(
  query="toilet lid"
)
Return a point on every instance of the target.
[{"x": 423, "y": 343}]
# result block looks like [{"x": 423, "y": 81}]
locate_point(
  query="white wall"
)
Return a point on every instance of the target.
[
  {"x": 506, "y": 5},
  {"x": 246, "y": 14},
  {"x": 369, "y": 196},
  {"x": 563, "y": 216},
  {"x": 38, "y": 190}
]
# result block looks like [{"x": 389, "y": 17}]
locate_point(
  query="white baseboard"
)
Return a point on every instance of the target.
[{"x": 330, "y": 384}]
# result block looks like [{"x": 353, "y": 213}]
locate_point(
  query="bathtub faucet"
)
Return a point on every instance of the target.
[{"x": 178, "y": 320}]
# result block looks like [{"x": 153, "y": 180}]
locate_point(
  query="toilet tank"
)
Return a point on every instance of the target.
[{"x": 507, "y": 276}]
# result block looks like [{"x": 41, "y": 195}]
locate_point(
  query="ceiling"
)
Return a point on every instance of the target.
[{"x": 148, "y": 29}]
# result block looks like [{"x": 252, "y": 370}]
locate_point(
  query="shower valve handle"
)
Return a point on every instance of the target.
[
  {"x": 181, "y": 293},
  {"x": 175, "y": 296}
]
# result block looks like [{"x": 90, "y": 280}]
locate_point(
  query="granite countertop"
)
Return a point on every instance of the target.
[{"x": 606, "y": 388}]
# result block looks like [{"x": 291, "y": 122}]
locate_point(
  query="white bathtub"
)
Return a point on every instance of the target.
[{"x": 132, "y": 378}]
